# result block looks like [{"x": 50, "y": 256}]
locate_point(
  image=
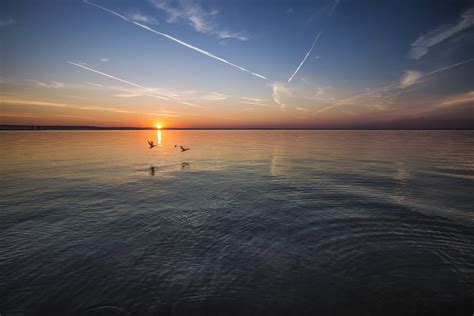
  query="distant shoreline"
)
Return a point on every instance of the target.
[{"x": 99, "y": 128}]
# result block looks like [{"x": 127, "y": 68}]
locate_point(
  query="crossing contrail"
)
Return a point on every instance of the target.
[
  {"x": 174, "y": 39},
  {"x": 305, "y": 57},
  {"x": 392, "y": 86}
]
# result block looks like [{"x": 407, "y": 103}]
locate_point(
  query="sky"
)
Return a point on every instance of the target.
[{"x": 238, "y": 64}]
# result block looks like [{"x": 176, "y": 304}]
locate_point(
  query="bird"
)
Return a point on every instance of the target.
[
  {"x": 150, "y": 142},
  {"x": 152, "y": 171},
  {"x": 183, "y": 149}
]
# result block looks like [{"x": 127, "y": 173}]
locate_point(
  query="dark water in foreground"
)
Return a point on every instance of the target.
[{"x": 246, "y": 222}]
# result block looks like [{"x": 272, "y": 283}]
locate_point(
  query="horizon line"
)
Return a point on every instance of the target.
[{"x": 89, "y": 127}]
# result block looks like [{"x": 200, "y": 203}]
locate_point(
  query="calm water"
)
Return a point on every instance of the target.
[{"x": 246, "y": 222}]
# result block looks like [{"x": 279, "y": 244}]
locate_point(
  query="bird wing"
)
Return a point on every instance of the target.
[{"x": 150, "y": 142}]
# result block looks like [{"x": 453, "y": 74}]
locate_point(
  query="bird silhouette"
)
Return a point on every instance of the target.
[
  {"x": 183, "y": 149},
  {"x": 150, "y": 142}
]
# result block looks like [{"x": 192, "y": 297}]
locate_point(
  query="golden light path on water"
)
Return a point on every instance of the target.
[{"x": 158, "y": 134}]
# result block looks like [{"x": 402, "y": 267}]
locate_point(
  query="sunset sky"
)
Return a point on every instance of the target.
[{"x": 308, "y": 64}]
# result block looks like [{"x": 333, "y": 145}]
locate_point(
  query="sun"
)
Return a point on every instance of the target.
[{"x": 158, "y": 126}]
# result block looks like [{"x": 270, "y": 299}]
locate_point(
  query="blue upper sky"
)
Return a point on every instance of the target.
[{"x": 335, "y": 63}]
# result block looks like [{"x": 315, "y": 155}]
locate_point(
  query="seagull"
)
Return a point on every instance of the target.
[
  {"x": 150, "y": 142},
  {"x": 183, "y": 149}
]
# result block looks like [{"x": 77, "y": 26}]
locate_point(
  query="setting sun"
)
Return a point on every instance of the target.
[{"x": 237, "y": 157}]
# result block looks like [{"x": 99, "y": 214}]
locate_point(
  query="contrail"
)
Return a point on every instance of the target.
[
  {"x": 333, "y": 8},
  {"x": 305, "y": 57},
  {"x": 155, "y": 93},
  {"x": 393, "y": 86},
  {"x": 197, "y": 49},
  {"x": 447, "y": 67}
]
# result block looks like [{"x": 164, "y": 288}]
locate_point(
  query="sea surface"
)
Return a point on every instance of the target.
[{"x": 243, "y": 223}]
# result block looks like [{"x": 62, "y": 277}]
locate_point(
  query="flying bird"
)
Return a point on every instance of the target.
[
  {"x": 150, "y": 142},
  {"x": 183, "y": 149}
]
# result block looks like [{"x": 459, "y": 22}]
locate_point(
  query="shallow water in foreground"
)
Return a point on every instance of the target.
[{"x": 246, "y": 222}]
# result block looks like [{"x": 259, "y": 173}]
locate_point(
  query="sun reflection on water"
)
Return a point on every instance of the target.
[{"x": 158, "y": 136}]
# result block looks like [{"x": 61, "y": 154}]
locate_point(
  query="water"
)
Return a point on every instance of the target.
[{"x": 246, "y": 222}]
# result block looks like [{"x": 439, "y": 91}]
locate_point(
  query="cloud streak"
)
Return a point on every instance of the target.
[
  {"x": 141, "y": 18},
  {"x": 22, "y": 114},
  {"x": 195, "y": 15},
  {"x": 410, "y": 77},
  {"x": 422, "y": 44},
  {"x": 280, "y": 90},
  {"x": 62, "y": 105},
  {"x": 333, "y": 7},
  {"x": 305, "y": 57},
  {"x": 7, "y": 21},
  {"x": 151, "y": 92},
  {"x": 176, "y": 40},
  {"x": 461, "y": 99},
  {"x": 392, "y": 86},
  {"x": 49, "y": 84}
]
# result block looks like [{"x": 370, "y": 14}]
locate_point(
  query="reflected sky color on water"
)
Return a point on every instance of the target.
[{"x": 261, "y": 222}]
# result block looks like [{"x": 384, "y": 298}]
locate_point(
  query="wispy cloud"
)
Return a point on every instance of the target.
[
  {"x": 410, "y": 77},
  {"x": 48, "y": 84},
  {"x": 422, "y": 44},
  {"x": 7, "y": 100},
  {"x": 227, "y": 34},
  {"x": 94, "y": 84},
  {"x": 459, "y": 99},
  {"x": 23, "y": 114},
  {"x": 141, "y": 18},
  {"x": 390, "y": 87},
  {"x": 10, "y": 100},
  {"x": 189, "y": 11},
  {"x": 333, "y": 7},
  {"x": 151, "y": 92},
  {"x": 174, "y": 39},
  {"x": 305, "y": 57},
  {"x": 7, "y": 21},
  {"x": 162, "y": 114},
  {"x": 213, "y": 96},
  {"x": 77, "y": 97},
  {"x": 299, "y": 108},
  {"x": 256, "y": 101},
  {"x": 279, "y": 91},
  {"x": 105, "y": 60},
  {"x": 195, "y": 15},
  {"x": 183, "y": 96}
]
